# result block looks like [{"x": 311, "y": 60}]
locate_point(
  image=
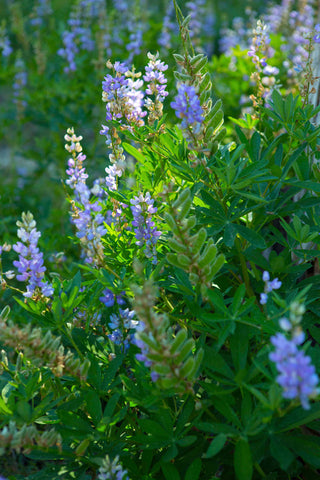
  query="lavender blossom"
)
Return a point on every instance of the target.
[
  {"x": 5, "y": 44},
  {"x": 156, "y": 87},
  {"x": 124, "y": 100},
  {"x": 19, "y": 84},
  {"x": 260, "y": 49},
  {"x": 135, "y": 42},
  {"x": 108, "y": 298},
  {"x": 122, "y": 327},
  {"x": 297, "y": 376},
  {"x": 41, "y": 10},
  {"x": 168, "y": 27},
  {"x": 187, "y": 106},
  {"x": 157, "y": 82},
  {"x": 112, "y": 470},
  {"x": 145, "y": 231},
  {"x": 268, "y": 287},
  {"x": 196, "y": 11},
  {"x": 69, "y": 51},
  {"x": 78, "y": 38},
  {"x": 30, "y": 264},
  {"x": 316, "y": 37},
  {"x": 121, "y": 93},
  {"x": 86, "y": 214}
]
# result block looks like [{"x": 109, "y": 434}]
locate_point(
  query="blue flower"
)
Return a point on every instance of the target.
[
  {"x": 297, "y": 376},
  {"x": 187, "y": 106}
]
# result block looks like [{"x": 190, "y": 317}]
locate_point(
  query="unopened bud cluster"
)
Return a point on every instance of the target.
[
  {"x": 43, "y": 349},
  {"x": 26, "y": 438}
]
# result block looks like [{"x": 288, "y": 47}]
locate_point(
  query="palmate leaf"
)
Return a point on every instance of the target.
[{"x": 243, "y": 465}]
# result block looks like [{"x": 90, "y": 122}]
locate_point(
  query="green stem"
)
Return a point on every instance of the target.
[{"x": 244, "y": 269}]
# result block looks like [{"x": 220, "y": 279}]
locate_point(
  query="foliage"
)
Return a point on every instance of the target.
[{"x": 146, "y": 348}]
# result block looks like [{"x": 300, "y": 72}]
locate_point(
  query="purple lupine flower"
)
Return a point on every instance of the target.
[
  {"x": 157, "y": 82},
  {"x": 316, "y": 38},
  {"x": 145, "y": 231},
  {"x": 41, "y": 10},
  {"x": 69, "y": 51},
  {"x": 260, "y": 48},
  {"x": 108, "y": 298},
  {"x": 268, "y": 287},
  {"x": 79, "y": 37},
  {"x": 168, "y": 27},
  {"x": 5, "y": 43},
  {"x": 187, "y": 106},
  {"x": 122, "y": 327},
  {"x": 30, "y": 264},
  {"x": 197, "y": 12},
  {"x": 124, "y": 100},
  {"x": 123, "y": 97},
  {"x": 112, "y": 470},
  {"x": 86, "y": 217},
  {"x": 135, "y": 40},
  {"x": 113, "y": 172},
  {"x": 19, "y": 83},
  {"x": 297, "y": 376}
]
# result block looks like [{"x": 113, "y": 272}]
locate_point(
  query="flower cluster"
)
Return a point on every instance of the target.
[
  {"x": 112, "y": 470},
  {"x": 297, "y": 376},
  {"x": 260, "y": 48},
  {"x": 108, "y": 298},
  {"x": 5, "y": 44},
  {"x": 135, "y": 42},
  {"x": 268, "y": 287},
  {"x": 30, "y": 264},
  {"x": 196, "y": 11},
  {"x": 41, "y": 10},
  {"x": 144, "y": 227},
  {"x": 187, "y": 106},
  {"x": 156, "y": 87},
  {"x": 123, "y": 97},
  {"x": 86, "y": 214},
  {"x": 168, "y": 27},
  {"x": 123, "y": 326},
  {"x": 19, "y": 84},
  {"x": 316, "y": 37},
  {"x": 120, "y": 92},
  {"x": 77, "y": 38}
]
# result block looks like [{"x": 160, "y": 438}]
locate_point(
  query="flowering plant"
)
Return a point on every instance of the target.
[{"x": 177, "y": 335}]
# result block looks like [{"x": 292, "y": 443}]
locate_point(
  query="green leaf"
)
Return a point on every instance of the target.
[
  {"x": 170, "y": 472},
  {"x": 242, "y": 459},
  {"x": 298, "y": 417},
  {"x": 306, "y": 447},
  {"x": 216, "y": 445},
  {"x": 278, "y": 103},
  {"x": 230, "y": 233},
  {"x": 186, "y": 441},
  {"x": 4, "y": 408},
  {"x": 255, "y": 146},
  {"x": 194, "y": 470},
  {"x": 251, "y": 236},
  {"x": 93, "y": 405},
  {"x": 24, "y": 410},
  {"x": 133, "y": 151},
  {"x": 296, "y": 154},
  {"x": 239, "y": 343},
  {"x": 280, "y": 452},
  {"x": 238, "y": 297}
]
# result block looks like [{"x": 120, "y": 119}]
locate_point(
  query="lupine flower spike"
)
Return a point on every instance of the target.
[
  {"x": 30, "y": 264},
  {"x": 297, "y": 376}
]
